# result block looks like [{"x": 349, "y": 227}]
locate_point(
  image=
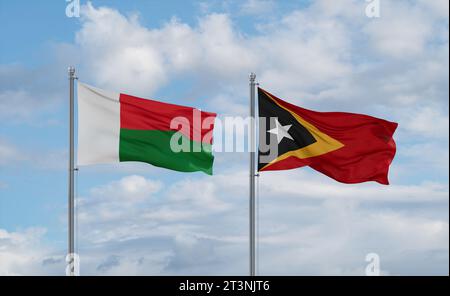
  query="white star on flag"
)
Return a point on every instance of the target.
[{"x": 281, "y": 131}]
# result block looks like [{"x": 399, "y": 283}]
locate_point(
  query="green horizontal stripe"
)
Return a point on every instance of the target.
[{"x": 153, "y": 147}]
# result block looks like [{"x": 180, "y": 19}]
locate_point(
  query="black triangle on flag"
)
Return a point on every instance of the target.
[
  {"x": 283, "y": 133},
  {"x": 278, "y": 131}
]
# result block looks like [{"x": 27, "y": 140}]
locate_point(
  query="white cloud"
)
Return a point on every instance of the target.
[
  {"x": 315, "y": 187},
  {"x": 199, "y": 193},
  {"x": 28, "y": 94},
  {"x": 439, "y": 8},
  {"x": 108, "y": 38},
  {"x": 136, "y": 188},
  {"x": 337, "y": 241},
  {"x": 116, "y": 200},
  {"x": 314, "y": 56},
  {"x": 9, "y": 153},
  {"x": 327, "y": 228},
  {"x": 13, "y": 155},
  {"x": 14, "y": 104},
  {"x": 299, "y": 45},
  {"x": 427, "y": 156},
  {"x": 143, "y": 59},
  {"x": 398, "y": 34},
  {"x": 24, "y": 253},
  {"x": 427, "y": 122},
  {"x": 321, "y": 227}
]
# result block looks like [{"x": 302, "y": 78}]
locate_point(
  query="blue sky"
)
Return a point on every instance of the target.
[{"x": 132, "y": 219}]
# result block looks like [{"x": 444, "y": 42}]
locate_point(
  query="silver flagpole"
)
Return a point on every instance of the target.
[
  {"x": 71, "y": 247},
  {"x": 252, "y": 205}
]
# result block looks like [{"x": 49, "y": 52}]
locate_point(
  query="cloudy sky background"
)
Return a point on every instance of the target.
[{"x": 139, "y": 220}]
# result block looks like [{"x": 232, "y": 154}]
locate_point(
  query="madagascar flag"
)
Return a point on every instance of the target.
[
  {"x": 350, "y": 148},
  {"x": 115, "y": 127}
]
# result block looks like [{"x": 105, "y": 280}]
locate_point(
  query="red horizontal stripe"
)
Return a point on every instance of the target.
[{"x": 143, "y": 114}]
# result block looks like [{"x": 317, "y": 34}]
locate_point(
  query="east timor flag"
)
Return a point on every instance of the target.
[
  {"x": 348, "y": 147},
  {"x": 116, "y": 127}
]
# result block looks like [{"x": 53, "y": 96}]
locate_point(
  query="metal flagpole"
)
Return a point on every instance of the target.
[
  {"x": 71, "y": 206},
  {"x": 252, "y": 204}
]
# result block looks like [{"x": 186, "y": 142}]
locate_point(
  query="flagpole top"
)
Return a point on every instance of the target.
[
  {"x": 71, "y": 71},
  {"x": 252, "y": 77}
]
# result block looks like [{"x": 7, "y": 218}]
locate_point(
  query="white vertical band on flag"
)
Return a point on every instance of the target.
[{"x": 98, "y": 125}]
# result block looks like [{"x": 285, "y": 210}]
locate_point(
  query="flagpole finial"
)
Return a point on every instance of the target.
[
  {"x": 71, "y": 71},
  {"x": 252, "y": 77}
]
